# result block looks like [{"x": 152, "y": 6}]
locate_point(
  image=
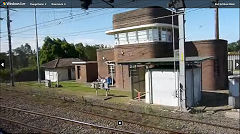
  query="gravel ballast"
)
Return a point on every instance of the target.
[{"x": 73, "y": 108}]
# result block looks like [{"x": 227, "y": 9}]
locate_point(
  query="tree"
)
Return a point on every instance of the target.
[
  {"x": 91, "y": 52},
  {"x": 46, "y": 53},
  {"x": 56, "y": 48},
  {"x": 22, "y": 56},
  {"x": 234, "y": 46},
  {"x": 81, "y": 51},
  {"x": 69, "y": 50}
]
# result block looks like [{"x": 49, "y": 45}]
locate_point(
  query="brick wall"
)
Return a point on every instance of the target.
[
  {"x": 214, "y": 72},
  {"x": 136, "y": 17},
  {"x": 108, "y": 54},
  {"x": 128, "y": 53},
  {"x": 83, "y": 73},
  {"x": 88, "y": 72},
  {"x": 142, "y": 51},
  {"x": 92, "y": 72}
]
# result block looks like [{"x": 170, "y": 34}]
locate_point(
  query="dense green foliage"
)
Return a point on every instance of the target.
[
  {"x": 24, "y": 56},
  {"x": 234, "y": 46},
  {"x": 5, "y": 74},
  {"x": 56, "y": 48}
]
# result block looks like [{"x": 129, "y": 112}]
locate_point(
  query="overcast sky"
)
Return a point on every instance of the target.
[{"x": 88, "y": 27}]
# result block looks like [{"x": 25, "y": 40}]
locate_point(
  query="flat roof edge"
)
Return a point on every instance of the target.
[
  {"x": 111, "y": 32},
  {"x": 165, "y": 60},
  {"x": 83, "y": 62}
]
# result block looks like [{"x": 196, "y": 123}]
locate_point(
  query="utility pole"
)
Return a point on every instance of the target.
[
  {"x": 174, "y": 54},
  {"x": 0, "y": 30},
  {"x": 216, "y": 22},
  {"x": 10, "y": 48},
  {"x": 179, "y": 5},
  {"x": 36, "y": 34},
  {"x": 182, "y": 71}
]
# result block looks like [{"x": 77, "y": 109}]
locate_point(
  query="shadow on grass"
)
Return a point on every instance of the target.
[{"x": 113, "y": 95}]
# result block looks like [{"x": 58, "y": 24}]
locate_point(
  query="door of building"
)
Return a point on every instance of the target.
[{"x": 69, "y": 74}]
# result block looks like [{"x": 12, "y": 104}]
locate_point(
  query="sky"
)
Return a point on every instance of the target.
[{"x": 77, "y": 25}]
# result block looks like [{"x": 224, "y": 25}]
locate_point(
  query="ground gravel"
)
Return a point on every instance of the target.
[{"x": 77, "y": 108}]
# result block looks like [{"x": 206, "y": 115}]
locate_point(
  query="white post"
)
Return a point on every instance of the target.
[{"x": 57, "y": 80}]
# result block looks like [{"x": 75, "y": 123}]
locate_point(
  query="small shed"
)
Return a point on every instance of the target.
[
  {"x": 60, "y": 69},
  {"x": 86, "y": 71},
  {"x": 164, "y": 86},
  {"x": 161, "y": 80}
]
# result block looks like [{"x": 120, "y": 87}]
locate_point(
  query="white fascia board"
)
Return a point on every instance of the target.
[
  {"x": 83, "y": 62},
  {"x": 111, "y": 32}
]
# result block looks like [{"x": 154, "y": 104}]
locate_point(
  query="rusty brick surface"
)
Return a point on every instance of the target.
[
  {"x": 214, "y": 72},
  {"x": 108, "y": 54},
  {"x": 143, "y": 16},
  {"x": 88, "y": 72}
]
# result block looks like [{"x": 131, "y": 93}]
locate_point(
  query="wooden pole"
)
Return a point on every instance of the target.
[
  {"x": 10, "y": 48},
  {"x": 216, "y": 23},
  {"x": 36, "y": 34}
]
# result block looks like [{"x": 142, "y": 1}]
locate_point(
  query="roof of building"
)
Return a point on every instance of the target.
[
  {"x": 61, "y": 63},
  {"x": 154, "y": 25},
  {"x": 165, "y": 60}
]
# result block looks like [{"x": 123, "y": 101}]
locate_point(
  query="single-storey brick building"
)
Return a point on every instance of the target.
[{"x": 86, "y": 71}]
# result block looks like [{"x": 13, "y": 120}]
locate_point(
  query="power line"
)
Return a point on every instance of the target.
[
  {"x": 30, "y": 26},
  {"x": 67, "y": 18},
  {"x": 48, "y": 21},
  {"x": 47, "y": 26},
  {"x": 130, "y": 1},
  {"x": 121, "y": 24}
]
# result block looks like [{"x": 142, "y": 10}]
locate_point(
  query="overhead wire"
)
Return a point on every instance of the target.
[
  {"x": 58, "y": 19},
  {"x": 32, "y": 25},
  {"x": 48, "y": 26},
  {"x": 94, "y": 30}
]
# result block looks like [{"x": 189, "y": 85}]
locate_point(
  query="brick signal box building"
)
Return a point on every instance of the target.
[{"x": 147, "y": 33}]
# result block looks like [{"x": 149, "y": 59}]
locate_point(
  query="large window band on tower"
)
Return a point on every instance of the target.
[{"x": 157, "y": 34}]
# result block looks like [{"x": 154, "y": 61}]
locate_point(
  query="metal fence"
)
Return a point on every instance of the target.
[{"x": 233, "y": 62}]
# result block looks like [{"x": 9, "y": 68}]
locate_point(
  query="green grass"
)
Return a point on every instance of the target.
[{"x": 79, "y": 89}]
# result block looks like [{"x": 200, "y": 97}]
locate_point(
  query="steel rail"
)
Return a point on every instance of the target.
[
  {"x": 130, "y": 122},
  {"x": 28, "y": 126},
  {"x": 167, "y": 117},
  {"x": 70, "y": 120}
]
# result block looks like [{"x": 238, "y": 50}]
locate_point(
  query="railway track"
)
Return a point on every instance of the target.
[
  {"x": 56, "y": 118},
  {"x": 27, "y": 126},
  {"x": 146, "y": 115},
  {"x": 109, "y": 129},
  {"x": 167, "y": 117}
]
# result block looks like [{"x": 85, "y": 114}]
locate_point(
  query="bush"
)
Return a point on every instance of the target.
[
  {"x": 23, "y": 74},
  {"x": 5, "y": 74},
  {"x": 22, "y": 70}
]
